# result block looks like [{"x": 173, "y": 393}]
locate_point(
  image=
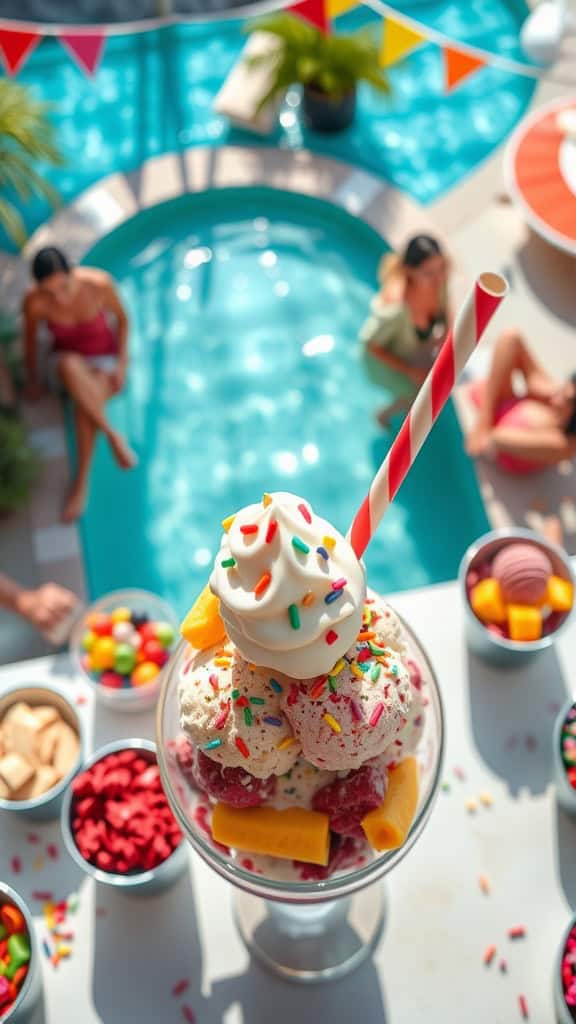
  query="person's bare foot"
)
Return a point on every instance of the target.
[
  {"x": 552, "y": 530},
  {"x": 74, "y": 504},
  {"x": 122, "y": 452}
]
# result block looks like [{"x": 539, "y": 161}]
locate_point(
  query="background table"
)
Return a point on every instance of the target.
[{"x": 129, "y": 952}]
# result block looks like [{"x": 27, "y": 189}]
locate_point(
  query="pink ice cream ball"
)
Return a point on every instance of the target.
[{"x": 523, "y": 571}]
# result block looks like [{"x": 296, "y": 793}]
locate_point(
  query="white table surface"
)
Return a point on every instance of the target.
[{"x": 428, "y": 966}]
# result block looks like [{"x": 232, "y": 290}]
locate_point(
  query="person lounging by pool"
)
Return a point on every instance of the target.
[
  {"x": 408, "y": 321},
  {"x": 89, "y": 356},
  {"x": 529, "y": 431}
]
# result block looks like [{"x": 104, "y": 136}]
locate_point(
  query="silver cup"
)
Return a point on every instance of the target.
[
  {"x": 47, "y": 806},
  {"x": 144, "y": 882},
  {"x": 562, "y": 1012},
  {"x": 31, "y": 991},
  {"x": 487, "y": 645},
  {"x": 565, "y": 794}
]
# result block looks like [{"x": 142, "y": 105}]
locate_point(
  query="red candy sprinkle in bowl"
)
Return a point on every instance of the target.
[
  {"x": 121, "y": 645},
  {"x": 565, "y": 978},
  {"x": 116, "y": 820}
]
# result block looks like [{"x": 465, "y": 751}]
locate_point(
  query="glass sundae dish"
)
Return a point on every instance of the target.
[{"x": 300, "y": 738}]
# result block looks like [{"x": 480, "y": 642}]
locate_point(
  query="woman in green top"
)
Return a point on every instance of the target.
[{"x": 408, "y": 321}]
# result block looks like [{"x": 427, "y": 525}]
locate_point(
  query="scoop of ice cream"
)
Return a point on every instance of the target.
[
  {"x": 522, "y": 570},
  {"x": 299, "y": 785},
  {"x": 231, "y": 711},
  {"x": 406, "y": 741},
  {"x": 291, "y": 589},
  {"x": 353, "y": 713}
]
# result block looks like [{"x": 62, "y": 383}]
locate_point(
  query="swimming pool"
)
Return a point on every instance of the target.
[
  {"x": 245, "y": 377},
  {"x": 153, "y": 94}
]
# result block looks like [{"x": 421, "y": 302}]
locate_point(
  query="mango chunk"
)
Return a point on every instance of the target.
[
  {"x": 387, "y": 826},
  {"x": 488, "y": 602},
  {"x": 524, "y": 622},
  {"x": 559, "y": 594},
  {"x": 203, "y": 627},
  {"x": 293, "y": 834}
]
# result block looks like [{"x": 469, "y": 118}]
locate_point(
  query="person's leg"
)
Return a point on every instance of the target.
[
  {"x": 401, "y": 404},
  {"x": 90, "y": 389},
  {"x": 510, "y": 354},
  {"x": 86, "y": 431}
]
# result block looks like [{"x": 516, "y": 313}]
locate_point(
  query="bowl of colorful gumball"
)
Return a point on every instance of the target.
[
  {"x": 20, "y": 972},
  {"x": 565, "y": 977},
  {"x": 565, "y": 756},
  {"x": 121, "y": 645},
  {"x": 518, "y": 591},
  {"x": 116, "y": 821}
]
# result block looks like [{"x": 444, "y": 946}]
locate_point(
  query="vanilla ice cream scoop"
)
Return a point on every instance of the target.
[
  {"x": 290, "y": 587},
  {"x": 231, "y": 711}
]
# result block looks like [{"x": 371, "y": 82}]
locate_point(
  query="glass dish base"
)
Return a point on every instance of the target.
[{"x": 312, "y": 943}]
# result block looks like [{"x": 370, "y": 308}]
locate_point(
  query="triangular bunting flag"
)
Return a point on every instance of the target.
[
  {"x": 15, "y": 47},
  {"x": 397, "y": 41},
  {"x": 86, "y": 48},
  {"x": 312, "y": 11},
  {"x": 337, "y": 7},
  {"x": 458, "y": 65}
]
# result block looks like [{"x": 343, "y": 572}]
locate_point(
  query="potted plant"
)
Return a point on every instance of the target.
[
  {"x": 328, "y": 67},
  {"x": 26, "y": 138},
  {"x": 19, "y": 465}
]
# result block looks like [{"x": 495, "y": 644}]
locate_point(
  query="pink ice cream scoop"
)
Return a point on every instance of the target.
[{"x": 523, "y": 571}]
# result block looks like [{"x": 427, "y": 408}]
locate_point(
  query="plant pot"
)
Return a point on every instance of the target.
[{"x": 324, "y": 114}]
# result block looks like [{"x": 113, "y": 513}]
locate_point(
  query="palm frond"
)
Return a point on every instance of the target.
[{"x": 12, "y": 222}]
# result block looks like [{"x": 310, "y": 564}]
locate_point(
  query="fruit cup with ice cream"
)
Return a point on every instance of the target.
[
  {"x": 300, "y": 734},
  {"x": 518, "y": 591}
]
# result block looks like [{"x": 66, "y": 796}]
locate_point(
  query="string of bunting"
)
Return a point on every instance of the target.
[{"x": 401, "y": 35}]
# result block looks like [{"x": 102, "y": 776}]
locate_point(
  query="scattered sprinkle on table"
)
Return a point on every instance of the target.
[
  {"x": 16, "y": 864},
  {"x": 180, "y": 987},
  {"x": 188, "y": 1014},
  {"x": 489, "y": 954},
  {"x": 523, "y": 1005},
  {"x": 484, "y": 884},
  {"x": 471, "y": 806},
  {"x": 486, "y": 799},
  {"x": 517, "y": 932},
  {"x": 459, "y": 773},
  {"x": 503, "y": 966}
]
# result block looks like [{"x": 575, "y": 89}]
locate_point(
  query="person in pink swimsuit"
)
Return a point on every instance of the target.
[
  {"x": 524, "y": 432},
  {"x": 89, "y": 356}
]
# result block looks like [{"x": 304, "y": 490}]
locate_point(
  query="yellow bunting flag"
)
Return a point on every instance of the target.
[
  {"x": 398, "y": 40},
  {"x": 334, "y": 8},
  {"x": 458, "y": 65}
]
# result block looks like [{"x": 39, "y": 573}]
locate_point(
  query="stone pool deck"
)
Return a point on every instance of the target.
[{"x": 482, "y": 230}]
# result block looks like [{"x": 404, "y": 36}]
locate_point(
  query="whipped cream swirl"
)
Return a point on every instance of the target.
[{"x": 291, "y": 589}]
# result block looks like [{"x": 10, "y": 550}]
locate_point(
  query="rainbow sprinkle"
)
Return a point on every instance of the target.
[
  {"x": 323, "y": 553},
  {"x": 308, "y": 599},
  {"x": 272, "y": 720},
  {"x": 249, "y": 529},
  {"x": 329, "y": 542},
  {"x": 213, "y": 680},
  {"x": 270, "y": 532},
  {"x": 294, "y": 615},
  {"x": 286, "y": 742},
  {"x": 228, "y": 563},
  {"x": 241, "y": 746},
  {"x": 263, "y": 583},
  {"x": 366, "y": 634},
  {"x": 331, "y": 721},
  {"x": 300, "y": 545},
  {"x": 221, "y": 719},
  {"x": 331, "y": 637},
  {"x": 227, "y": 523},
  {"x": 376, "y": 715},
  {"x": 356, "y": 671},
  {"x": 339, "y": 584},
  {"x": 266, "y": 500},
  {"x": 257, "y": 700},
  {"x": 248, "y": 718},
  {"x": 338, "y": 667},
  {"x": 275, "y": 686},
  {"x": 318, "y": 688},
  {"x": 213, "y": 744},
  {"x": 331, "y": 684},
  {"x": 356, "y": 710},
  {"x": 305, "y": 513},
  {"x": 222, "y": 662},
  {"x": 374, "y": 649}
]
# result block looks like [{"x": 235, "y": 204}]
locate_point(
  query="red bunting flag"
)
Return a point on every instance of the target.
[
  {"x": 312, "y": 11},
  {"x": 15, "y": 47},
  {"x": 86, "y": 48},
  {"x": 458, "y": 65}
]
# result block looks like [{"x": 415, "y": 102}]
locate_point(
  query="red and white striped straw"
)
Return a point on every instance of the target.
[{"x": 469, "y": 326}]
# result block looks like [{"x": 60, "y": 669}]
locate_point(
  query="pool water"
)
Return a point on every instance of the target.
[
  {"x": 246, "y": 377},
  {"x": 154, "y": 91}
]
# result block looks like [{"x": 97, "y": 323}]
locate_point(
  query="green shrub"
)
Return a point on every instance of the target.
[{"x": 19, "y": 465}]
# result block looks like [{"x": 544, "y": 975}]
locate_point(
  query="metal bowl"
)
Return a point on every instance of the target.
[
  {"x": 31, "y": 991},
  {"x": 143, "y": 882},
  {"x": 47, "y": 806},
  {"x": 562, "y": 1012},
  {"x": 565, "y": 794},
  {"x": 500, "y": 650}
]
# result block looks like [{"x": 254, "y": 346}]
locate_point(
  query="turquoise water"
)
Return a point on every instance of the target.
[
  {"x": 245, "y": 377},
  {"x": 154, "y": 91}
]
